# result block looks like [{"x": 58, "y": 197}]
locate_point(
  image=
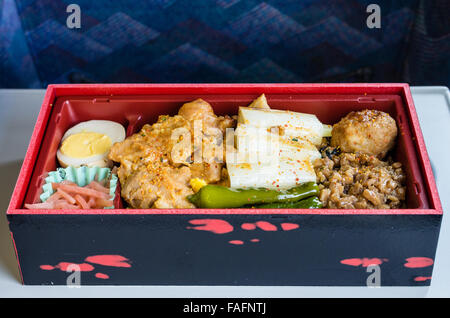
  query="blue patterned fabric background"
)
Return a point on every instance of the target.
[{"x": 223, "y": 41}]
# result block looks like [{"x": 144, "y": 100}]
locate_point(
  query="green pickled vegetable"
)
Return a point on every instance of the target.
[
  {"x": 309, "y": 203},
  {"x": 219, "y": 197}
]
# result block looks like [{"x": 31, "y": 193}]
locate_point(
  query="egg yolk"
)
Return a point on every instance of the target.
[{"x": 85, "y": 144}]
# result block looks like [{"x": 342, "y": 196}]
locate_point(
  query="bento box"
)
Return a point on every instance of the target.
[{"x": 243, "y": 246}]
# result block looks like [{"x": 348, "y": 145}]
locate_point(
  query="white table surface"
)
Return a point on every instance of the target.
[{"x": 18, "y": 113}]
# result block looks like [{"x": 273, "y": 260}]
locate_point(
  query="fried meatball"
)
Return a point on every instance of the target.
[{"x": 372, "y": 132}]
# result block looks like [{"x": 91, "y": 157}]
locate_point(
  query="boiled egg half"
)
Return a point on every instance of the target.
[{"x": 88, "y": 143}]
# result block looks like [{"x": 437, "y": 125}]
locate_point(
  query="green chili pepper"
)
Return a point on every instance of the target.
[
  {"x": 219, "y": 197},
  {"x": 309, "y": 203}
]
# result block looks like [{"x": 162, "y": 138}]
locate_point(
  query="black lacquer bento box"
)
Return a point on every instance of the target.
[{"x": 309, "y": 247}]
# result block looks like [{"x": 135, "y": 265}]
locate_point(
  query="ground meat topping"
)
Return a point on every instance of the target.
[{"x": 355, "y": 180}]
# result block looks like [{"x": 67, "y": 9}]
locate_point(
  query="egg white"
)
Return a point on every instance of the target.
[{"x": 115, "y": 131}]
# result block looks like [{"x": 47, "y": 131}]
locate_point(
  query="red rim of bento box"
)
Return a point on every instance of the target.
[{"x": 54, "y": 91}]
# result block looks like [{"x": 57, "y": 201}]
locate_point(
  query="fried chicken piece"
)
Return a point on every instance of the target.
[
  {"x": 157, "y": 163},
  {"x": 371, "y": 132},
  {"x": 211, "y": 137}
]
